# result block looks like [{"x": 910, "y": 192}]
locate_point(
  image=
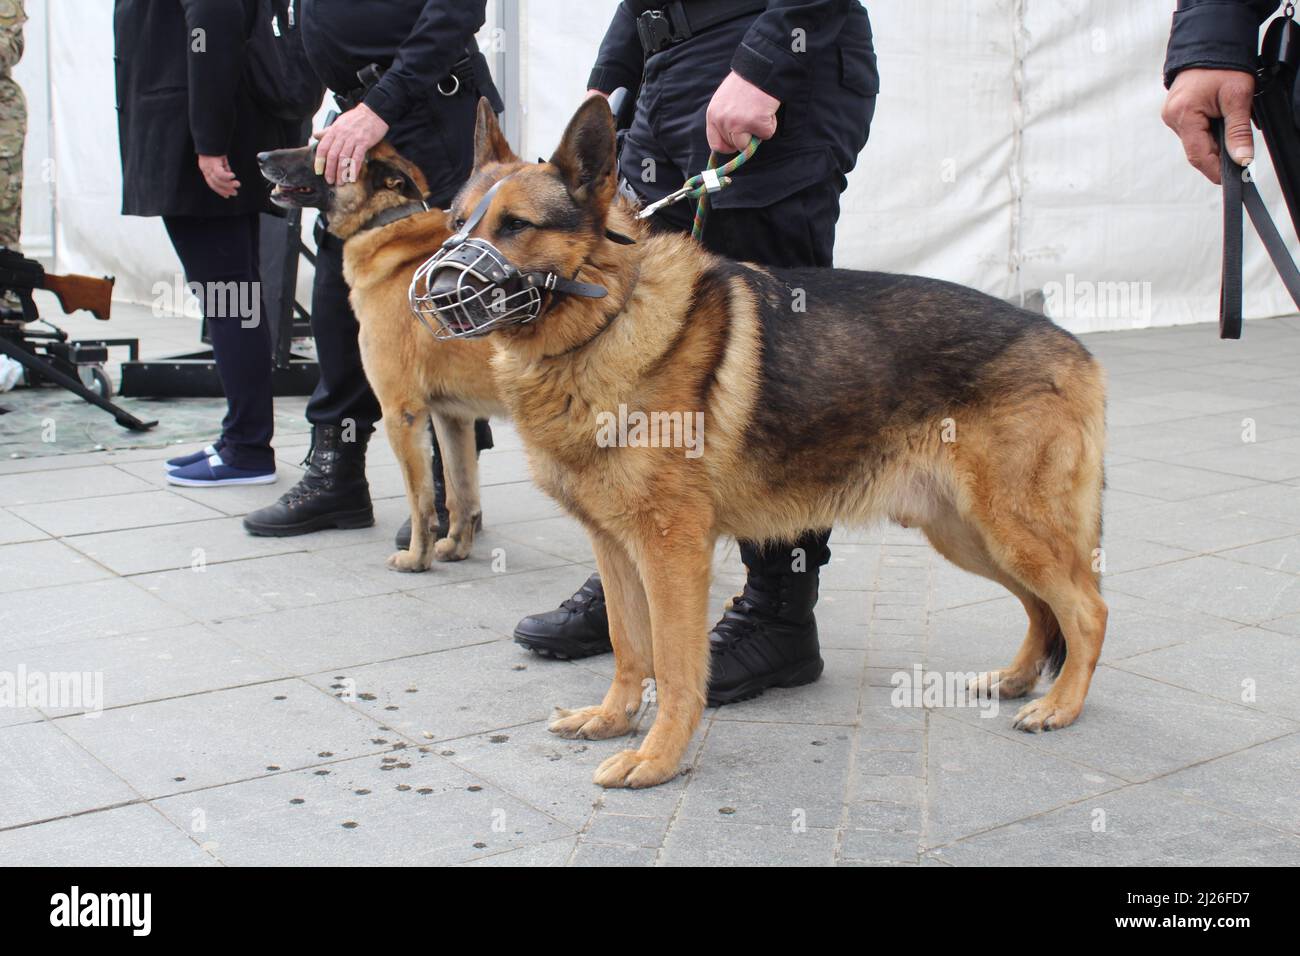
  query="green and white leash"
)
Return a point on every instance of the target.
[{"x": 703, "y": 185}]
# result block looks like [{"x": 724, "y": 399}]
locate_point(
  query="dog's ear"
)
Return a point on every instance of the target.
[
  {"x": 587, "y": 155},
  {"x": 490, "y": 145},
  {"x": 387, "y": 177}
]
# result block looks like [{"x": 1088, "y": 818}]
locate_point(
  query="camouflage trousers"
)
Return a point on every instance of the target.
[{"x": 13, "y": 130}]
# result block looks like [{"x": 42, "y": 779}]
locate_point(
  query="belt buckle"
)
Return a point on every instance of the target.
[{"x": 655, "y": 31}]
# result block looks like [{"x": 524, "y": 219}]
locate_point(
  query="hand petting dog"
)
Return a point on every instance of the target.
[{"x": 343, "y": 145}]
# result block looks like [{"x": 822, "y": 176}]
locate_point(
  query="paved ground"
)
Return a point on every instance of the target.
[{"x": 294, "y": 702}]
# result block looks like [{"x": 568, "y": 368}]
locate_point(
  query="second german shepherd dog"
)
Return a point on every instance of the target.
[
  {"x": 828, "y": 395},
  {"x": 386, "y": 235}
]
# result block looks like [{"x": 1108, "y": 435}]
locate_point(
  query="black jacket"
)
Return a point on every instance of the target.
[
  {"x": 1218, "y": 34},
  {"x": 182, "y": 93},
  {"x": 764, "y": 56},
  {"x": 415, "y": 42}
]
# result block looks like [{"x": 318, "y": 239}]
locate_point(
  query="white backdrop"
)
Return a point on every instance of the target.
[{"x": 1017, "y": 147}]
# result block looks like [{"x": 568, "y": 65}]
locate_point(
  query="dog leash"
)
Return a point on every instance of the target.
[
  {"x": 1239, "y": 190},
  {"x": 702, "y": 185}
]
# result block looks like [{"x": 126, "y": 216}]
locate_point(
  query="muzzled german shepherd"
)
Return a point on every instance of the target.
[
  {"x": 829, "y": 396},
  {"x": 387, "y": 233}
]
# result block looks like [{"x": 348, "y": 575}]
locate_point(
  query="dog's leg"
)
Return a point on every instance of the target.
[
  {"x": 1049, "y": 543},
  {"x": 408, "y": 434},
  {"x": 460, "y": 475},
  {"x": 675, "y": 570},
  {"x": 963, "y": 544},
  {"x": 629, "y": 632}
]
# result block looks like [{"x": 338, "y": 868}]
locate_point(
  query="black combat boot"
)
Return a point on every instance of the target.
[
  {"x": 482, "y": 441},
  {"x": 768, "y": 637},
  {"x": 332, "y": 493},
  {"x": 579, "y": 627}
]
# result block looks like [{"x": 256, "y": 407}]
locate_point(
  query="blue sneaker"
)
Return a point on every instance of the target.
[
  {"x": 195, "y": 456},
  {"x": 212, "y": 472}
]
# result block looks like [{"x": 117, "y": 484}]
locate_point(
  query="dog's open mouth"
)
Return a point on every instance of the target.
[{"x": 286, "y": 194}]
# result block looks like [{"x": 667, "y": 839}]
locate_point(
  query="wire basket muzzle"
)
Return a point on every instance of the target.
[{"x": 470, "y": 289}]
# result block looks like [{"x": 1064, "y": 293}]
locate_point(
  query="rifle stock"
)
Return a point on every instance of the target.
[{"x": 82, "y": 292}]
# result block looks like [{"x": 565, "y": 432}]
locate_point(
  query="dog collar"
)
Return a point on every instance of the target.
[{"x": 386, "y": 217}]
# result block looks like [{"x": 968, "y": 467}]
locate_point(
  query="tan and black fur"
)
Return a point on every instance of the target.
[
  {"x": 888, "y": 396},
  {"x": 415, "y": 376}
]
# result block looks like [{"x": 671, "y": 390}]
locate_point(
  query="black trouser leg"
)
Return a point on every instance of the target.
[
  {"x": 220, "y": 254},
  {"x": 796, "y": 231},
  {"x": 343, "y": 394}
]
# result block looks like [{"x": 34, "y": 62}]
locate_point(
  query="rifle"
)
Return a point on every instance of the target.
[
  {"x": 49, "y": 356},
  {"x": 22, "y": 275}
]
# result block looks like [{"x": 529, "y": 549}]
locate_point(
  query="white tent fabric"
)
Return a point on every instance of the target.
[{"x": 1017, "y": 147}]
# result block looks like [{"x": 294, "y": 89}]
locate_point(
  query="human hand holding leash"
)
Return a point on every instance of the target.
[
  {"x": 738, "y": 110},
  {"x": 1198, "y": 96},
  {"x": 217, "y": 174},
  {"x": 343, "y": 145}
]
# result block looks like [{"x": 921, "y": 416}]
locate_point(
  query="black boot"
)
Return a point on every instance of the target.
[
  {"x": 332, "y": 493},
  {"x": 579, "y": 627},
  {"x": 768, "y": 637}
]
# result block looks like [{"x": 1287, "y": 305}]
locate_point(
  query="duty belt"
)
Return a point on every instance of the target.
[
  {"x": 678, "y": 21},
  {"x": 461, "y": 77}
]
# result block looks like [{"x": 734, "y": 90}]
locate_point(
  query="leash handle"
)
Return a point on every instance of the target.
[
  {"x": 1239, "y": 190},
  {"x": 1230, "y": 276},
  {"x": 719, "y": 176}
]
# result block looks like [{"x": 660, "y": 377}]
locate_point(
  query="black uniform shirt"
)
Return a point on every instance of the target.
[
  {"x": 763, "y": 57},
  {"x": 416, "y": 41}
]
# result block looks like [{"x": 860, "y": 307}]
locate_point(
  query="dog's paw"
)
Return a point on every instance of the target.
[
  {"x": 1046, "y": 713},
  {"x": 1001, "y": 685},
  {"x": 632, "y": 768},
  {"x": 451, "y": 549},
  {"x": 591, "y": 723},
  {"x": 407, "y": 561}
]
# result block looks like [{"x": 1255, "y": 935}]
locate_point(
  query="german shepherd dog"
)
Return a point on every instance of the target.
[
  {"x": 387, "y": 233},
  {"x": 828, "y": 395}
]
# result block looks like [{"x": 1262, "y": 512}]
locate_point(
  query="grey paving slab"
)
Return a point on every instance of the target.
[
  {"x": 961, "y": 760},
  {"x": 13, "y": 530},
  {"x": 1258, "y": 783},
  {"x": 176, "y": 547},
  {"x": 595, "y": 854},
  {"x": 622, "y": 829},
  {"x": 1173, "y": 482},
  {"x": 1213, "y": 585},
  {"x": 1201, "y": 525},
  {"x": 549, "y": 772},
  {"x": 203, "y": 740},
  {"x": 1250, "y": 666},
  {"x": 1143, "y": 826},
  {"x": 463, "y": 691},
  {"x": 499, "y": 601},
  {"x": 318, "y": 637},
  {"x": 78, "y": 612},
  {"x": 553, "y": 853},
  {"x": 38, "y": 564},
  {"x": 776, "y": 774},
  {"x": 704, "y": 843},
  {"x": 429, "y": 813},
  {"x": 218, "y": 592},
  {"x": 72, "y": 484},
  {"x": 1136, "y": 728},
  {"x": 135, "y": 835},
  {"x": 44, "y": 775},
  {"x": 151, "y": 665},
  {"x": 133, "y": 510}
]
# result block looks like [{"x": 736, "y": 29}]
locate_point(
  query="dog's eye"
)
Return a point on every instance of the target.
[
  {"x": 458, "y": 222},
  {"x": 516, "y": 225}
]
